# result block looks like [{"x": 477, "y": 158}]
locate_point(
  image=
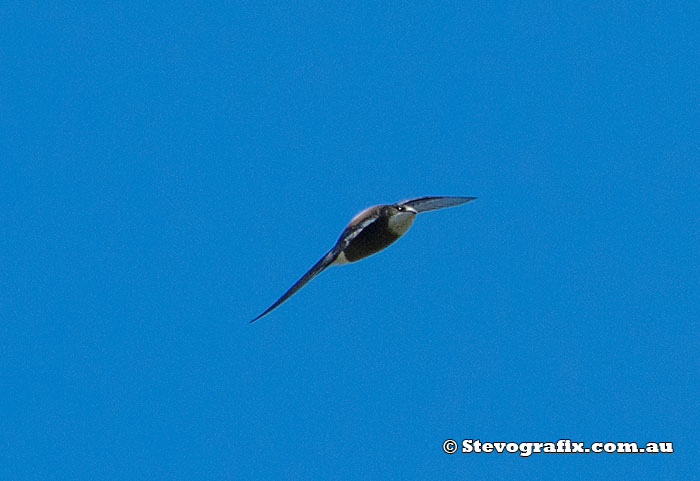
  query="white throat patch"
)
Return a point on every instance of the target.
[{"x": 399, "y": 223}]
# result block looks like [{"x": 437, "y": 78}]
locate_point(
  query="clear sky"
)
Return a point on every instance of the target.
[{"x": 169, "y": 169}]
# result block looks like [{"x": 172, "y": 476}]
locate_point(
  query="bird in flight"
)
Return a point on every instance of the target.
[{"x": 368, "y": 232}]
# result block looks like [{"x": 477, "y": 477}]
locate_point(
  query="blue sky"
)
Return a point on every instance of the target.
[{"x": 169, "y": 170}]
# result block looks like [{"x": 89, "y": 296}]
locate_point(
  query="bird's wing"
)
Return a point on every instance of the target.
[
  {"x": 324, "y": 262},
  {"x": 423, "y": 204},
  {"x": 348, "y": 234}
]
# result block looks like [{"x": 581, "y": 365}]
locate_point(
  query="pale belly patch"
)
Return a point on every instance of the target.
[{"x": 399, "y": 223}]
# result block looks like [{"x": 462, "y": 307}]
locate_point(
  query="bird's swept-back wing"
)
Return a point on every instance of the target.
[
  {"x": 423, "y": 204},
  {"x": 325, "y": 261}
]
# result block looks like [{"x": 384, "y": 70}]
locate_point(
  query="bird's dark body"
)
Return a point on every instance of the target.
[{"x": 371, "y": 240}]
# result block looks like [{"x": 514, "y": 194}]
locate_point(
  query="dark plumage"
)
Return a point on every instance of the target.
[{"x": 370, "y": 231}]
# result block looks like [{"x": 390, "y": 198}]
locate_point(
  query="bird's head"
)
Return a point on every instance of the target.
[{"x": 400, "y": 218}]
